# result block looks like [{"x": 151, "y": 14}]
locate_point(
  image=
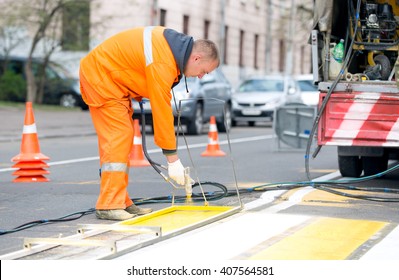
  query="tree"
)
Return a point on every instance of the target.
[
  {"x": 12, "y": 33},
  {"x": 43, "y": 19},
  {"x": 44, "y": 13}
]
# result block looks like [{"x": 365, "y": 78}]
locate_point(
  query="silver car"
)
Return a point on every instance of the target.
[
  {"x": 206, "y": 97},
  {"x": 309, "y": 91},
  {"x": 258, "y": 97}
]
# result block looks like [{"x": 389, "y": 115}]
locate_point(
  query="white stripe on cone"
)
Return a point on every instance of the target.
[
  {"x": 29, "y": 129},
  {"x": 137, "y": 140}
]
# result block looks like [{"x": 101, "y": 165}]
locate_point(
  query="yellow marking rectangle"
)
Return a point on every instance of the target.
[
  {"x": 324, "y": 198},
  {"x": 177, "y": 217},
  {"x": 325, "y": 239}
]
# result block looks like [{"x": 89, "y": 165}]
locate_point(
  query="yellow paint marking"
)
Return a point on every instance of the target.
[
  {"x": 286, "y": 195},
  {"x": 325, "y": 239},
  {"x": 177, "y": 217},
  {"x": 323, "y": 198}
]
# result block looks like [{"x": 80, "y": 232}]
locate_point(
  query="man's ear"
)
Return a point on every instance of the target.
[{"x": 196, "y": 57}]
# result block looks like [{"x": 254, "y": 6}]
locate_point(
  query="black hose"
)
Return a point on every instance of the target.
[
  {"x": 154, "y": 164},
  {"x": 66, "y": 218}
]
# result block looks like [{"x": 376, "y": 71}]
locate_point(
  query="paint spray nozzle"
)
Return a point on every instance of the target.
[{"x": 188, "y": 183}]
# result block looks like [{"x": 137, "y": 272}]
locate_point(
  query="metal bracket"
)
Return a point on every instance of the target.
[
  {"x": 117, "y": 227},
  {"x": 28, "y": 242}
]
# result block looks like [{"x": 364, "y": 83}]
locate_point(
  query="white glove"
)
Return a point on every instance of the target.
[{"x": 176, "y": 171}]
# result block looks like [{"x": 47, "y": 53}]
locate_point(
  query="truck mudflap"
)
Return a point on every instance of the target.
[{"x": 368, "y": 119}]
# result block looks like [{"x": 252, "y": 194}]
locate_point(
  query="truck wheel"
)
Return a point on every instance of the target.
[
  {"x": 350, "y": 166},
  {"x": 374, "y": 165}
]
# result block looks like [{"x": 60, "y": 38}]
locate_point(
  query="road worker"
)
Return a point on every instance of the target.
[{"x": 136, "y": 63}]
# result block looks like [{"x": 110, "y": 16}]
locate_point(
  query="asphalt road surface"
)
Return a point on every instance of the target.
[{"x": 255, "y": 164}]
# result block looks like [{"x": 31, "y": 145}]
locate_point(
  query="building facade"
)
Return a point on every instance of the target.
[{"x": 254, "y": 36}]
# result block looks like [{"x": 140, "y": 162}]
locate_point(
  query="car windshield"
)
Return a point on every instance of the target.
[
  {"x": 262, "y": 85},
  {"x": 307, "y": 85}
]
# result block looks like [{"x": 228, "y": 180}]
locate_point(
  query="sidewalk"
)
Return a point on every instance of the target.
[{"x": 49, "y": 123}]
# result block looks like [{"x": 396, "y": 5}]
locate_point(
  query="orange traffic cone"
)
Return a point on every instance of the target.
[
  {"x": 136, "y": 156},
  {"x": 213, "y": 150},
  {"x": 30, "y": 159}
]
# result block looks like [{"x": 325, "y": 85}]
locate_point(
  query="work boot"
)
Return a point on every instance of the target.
[
  {"x": 133, "y": 209},
  {"x": 114, "y": 214}
]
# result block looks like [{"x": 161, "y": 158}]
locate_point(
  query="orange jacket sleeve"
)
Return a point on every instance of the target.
[{"x": 160, "y": 78}]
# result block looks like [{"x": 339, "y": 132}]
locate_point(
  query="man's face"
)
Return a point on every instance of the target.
[{"x": 197, "y": 66}]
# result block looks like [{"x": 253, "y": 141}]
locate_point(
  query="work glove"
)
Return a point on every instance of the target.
[{"x": 176, "y": 172}]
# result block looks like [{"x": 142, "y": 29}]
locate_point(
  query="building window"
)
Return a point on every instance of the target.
[
  {"x": 76, "y": 26},
  {"x": 154, "y": 15},
  {"x": 225, "y": 44},
  {"x": 241, "y": 54},
  {"x": 256, "y": 42},
  {"x": 162, "y": 17},
  {"x": 207, "y": 24},
  {"x": 186, "y": 20}
]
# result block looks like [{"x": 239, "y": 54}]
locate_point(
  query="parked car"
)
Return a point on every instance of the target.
[
  {"x": 309, "y": 91},
  {"x": 59, "y": 88},
  {"x": 206, "y": 97},
  {"x": 257, "y": 97}
]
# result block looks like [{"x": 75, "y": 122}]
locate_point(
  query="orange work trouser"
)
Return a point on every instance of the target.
[{"x": 114, "y": 126}]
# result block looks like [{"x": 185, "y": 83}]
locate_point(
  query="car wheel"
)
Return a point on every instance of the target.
[
  {"x": 84, "y": 106},
  {"x": 221, "y": 125},
  {"x": 233, "y": 122},
  {"x": 68, "y": 100},
  {"x": 196, "y": 124}
]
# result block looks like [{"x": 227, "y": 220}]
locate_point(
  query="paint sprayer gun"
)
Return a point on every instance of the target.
[{"x": 188, "y": 183}]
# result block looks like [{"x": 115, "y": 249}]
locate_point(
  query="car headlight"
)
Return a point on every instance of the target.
[{"x": 275, "y": 103}]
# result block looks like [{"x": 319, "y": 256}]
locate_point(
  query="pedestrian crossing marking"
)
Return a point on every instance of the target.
[{"x": 325, "y": 239}]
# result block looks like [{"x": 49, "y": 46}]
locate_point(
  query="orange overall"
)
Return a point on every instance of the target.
[{"x": 140, "y": 62}]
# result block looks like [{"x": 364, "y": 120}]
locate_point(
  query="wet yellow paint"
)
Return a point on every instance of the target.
[
  {"x": 325, "y": 239},
  {"x": 177, "y": 217},
  {"x": 323, "y": 198}
]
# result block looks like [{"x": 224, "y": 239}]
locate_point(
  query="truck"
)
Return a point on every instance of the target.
[{"x": 358, "y": 109}]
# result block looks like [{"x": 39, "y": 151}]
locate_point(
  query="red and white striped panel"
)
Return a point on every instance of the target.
[{"x": 360, "y": 119}]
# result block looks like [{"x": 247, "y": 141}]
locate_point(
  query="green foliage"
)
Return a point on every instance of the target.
[{"x": 12, "y": 87}]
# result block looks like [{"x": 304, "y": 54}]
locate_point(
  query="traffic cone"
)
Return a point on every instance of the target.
[
  {"x": 213, "y": 149},
  {"x": 30, "y": 159},
  {"x": 136, "y": 156}
]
